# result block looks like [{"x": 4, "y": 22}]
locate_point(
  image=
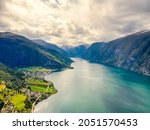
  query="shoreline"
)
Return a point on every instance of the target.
[
  {"x": 34, "y": 90},
  {"x": 37, "y": 102},
  {"x": 41, "y": 75},
  {"x": 26, "y": 98},
  {"x": 41, "y": 96}
]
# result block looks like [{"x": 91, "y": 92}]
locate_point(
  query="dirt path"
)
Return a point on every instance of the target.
[{"x": 33, "y": 105}]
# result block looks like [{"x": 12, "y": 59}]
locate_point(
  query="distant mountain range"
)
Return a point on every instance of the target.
[
  {"x": 77, "y": 51},
  {"x": 51, "y": 46},
  {"x": 17, "y": 51},
  {"x": 131, "y": 52}
]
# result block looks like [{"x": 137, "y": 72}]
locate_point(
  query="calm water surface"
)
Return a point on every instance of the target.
[{"x": 97, "y": 88}]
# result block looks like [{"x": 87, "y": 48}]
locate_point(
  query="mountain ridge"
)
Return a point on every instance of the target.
[
  {"x": 131, "y": 52},
  {"x": 51, "y": 46},
  {"x": 20, "y": 51}
]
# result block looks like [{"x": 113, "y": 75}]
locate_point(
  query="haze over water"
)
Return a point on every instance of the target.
[{"x": 97, "y": 88}]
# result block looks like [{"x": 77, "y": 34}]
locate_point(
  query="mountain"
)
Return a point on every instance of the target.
[
  {"x": 131, "y": 52},
  {"x": 67, "y": 47},
  {"x": 94, "y": 50},
  {"x": 50, "y": 46},
  {"x": 77, "y": 51},
  {"x": 18, "y": 51}
]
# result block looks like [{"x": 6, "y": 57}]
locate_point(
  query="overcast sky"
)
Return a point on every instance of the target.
[{"x": 74, "y": 21}]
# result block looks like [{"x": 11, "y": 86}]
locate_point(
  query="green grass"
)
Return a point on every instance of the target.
[
  {"x": 35, "y": 69},
  {"x": 40, "y": 86},
  {"x": 19, "y": 101},
  {"x": 37, "y": 81}
]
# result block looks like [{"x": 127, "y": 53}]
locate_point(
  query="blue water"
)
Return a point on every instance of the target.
[{"x": 92, "y": 88}]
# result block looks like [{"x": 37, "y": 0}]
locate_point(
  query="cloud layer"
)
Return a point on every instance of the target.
[{"x": 74, "y": 21}]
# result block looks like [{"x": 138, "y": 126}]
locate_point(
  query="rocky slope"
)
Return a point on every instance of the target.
[{"x": 131, "y": 52}]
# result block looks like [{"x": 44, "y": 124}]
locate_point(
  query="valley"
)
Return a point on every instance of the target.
[
  {"x": 31, "y": 71},
  {"x": 23, "y": 65}
]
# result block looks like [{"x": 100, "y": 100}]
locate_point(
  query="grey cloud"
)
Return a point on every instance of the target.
[
  {"x": 58, "y": 3},
  {"x": 77, "y": 30},
  {"x": 74, "y": 1},
  {"x": 50, "y": 4},
  {"x": 134, "y": 6},
  {"x": 77, "y": 20},
  {"x": 121, "y": 16},
  {"x": 2, "y": 5},
  {"x": 133, "y": 13}
]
